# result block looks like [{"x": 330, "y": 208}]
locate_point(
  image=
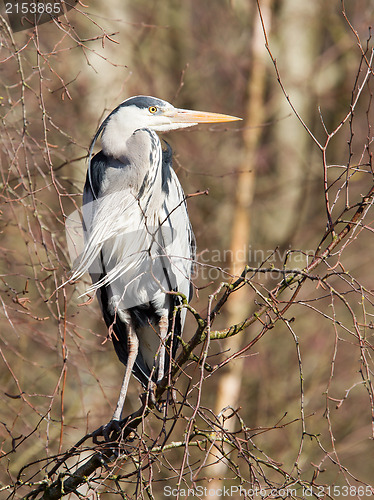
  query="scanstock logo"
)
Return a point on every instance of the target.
[
  {"x": 118, "y": 248},
  {"x": 26, "y": 14}
]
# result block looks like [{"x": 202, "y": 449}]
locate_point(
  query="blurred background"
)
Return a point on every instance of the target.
[{"x": 303, "y": 393}]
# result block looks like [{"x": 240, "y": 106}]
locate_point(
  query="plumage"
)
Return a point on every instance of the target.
[
  {"x": 132, "y": 248},
  {"x": 139, "y": 244}
]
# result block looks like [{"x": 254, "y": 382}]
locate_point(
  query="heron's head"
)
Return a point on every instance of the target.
[{"x": 144, "y": 112}]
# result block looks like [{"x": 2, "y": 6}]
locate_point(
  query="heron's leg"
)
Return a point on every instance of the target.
[
  {"x": 113, "y": 426},
  {"x": 163, "y": 326},
  {"x": 132, "y": 352}
]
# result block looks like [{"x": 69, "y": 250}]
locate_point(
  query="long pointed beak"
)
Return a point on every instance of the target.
[{"x": 195, "y": 117}]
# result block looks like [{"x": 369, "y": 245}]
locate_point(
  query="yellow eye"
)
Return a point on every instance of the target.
[{"x": 152, "y": 109}]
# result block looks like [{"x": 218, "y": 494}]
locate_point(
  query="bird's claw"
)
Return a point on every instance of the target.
[
  {"x": 110, "y": 432},
  {"x": 115, "y": 429}
]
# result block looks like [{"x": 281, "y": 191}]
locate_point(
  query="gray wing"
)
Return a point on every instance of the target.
[
  {"x": 174, "y": 220},
  {"x": 137, "y": 258}
]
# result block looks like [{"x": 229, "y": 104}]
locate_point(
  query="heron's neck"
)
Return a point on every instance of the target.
[
  {"x": 140, "y": 155},
  {"x": 151, "y": 159},
  {"x": 114, "y": 139}
]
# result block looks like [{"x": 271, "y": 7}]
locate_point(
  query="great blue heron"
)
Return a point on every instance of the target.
[{"x": 139, "y": 245}]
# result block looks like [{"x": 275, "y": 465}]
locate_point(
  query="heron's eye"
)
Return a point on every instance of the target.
[{"x": 152, "y": 109}]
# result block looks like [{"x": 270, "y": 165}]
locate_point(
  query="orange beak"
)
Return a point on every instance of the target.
[{"x": 195, "y": 117}]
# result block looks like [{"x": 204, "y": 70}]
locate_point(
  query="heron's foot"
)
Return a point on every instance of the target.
[
  {"x": 169, "y": 398},
  {"x": 110, "y": 432}
]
